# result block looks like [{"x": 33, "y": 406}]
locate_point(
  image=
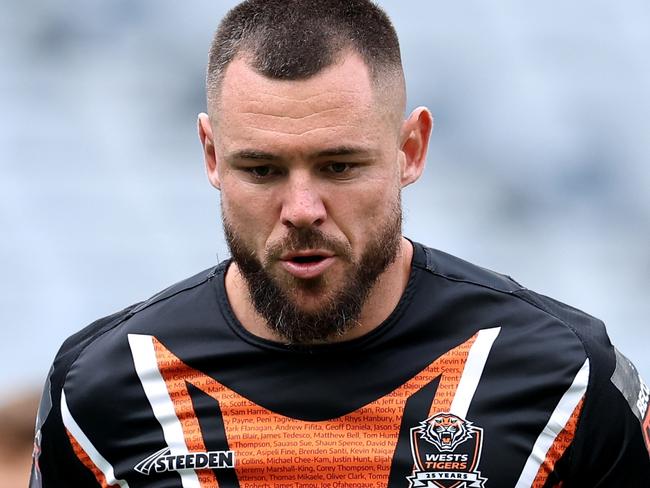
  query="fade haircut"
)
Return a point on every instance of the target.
[{"x": 296, "y": 39}]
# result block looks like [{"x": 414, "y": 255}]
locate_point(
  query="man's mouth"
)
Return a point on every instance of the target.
[
  {"x": 307, "y": 264},
  {"x": 307, "y": 255},
  {"x": 307, "y": 259}
]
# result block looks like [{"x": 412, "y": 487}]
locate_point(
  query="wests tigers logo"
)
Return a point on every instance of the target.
[
  {"x": 446, "y": 452},
  {"x": 445, "y": 431}
]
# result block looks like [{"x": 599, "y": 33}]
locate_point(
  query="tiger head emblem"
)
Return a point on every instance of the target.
[{"x": 446, "y": 431}]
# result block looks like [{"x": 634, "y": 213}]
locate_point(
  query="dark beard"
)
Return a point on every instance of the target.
[{"x": 340, "y": 312}]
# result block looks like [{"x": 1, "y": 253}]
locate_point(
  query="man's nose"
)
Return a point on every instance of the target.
[{"x": 302, "y": 204}]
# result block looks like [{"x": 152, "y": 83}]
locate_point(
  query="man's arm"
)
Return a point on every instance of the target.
[
  {"x": 54, "y": 463},
  {"x": 612, "y": 443},
  {"x": 62, "y": 452}
]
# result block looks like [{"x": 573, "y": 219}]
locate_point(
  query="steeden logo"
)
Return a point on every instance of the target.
[
  {"x": 163, "y": 461},
  {"x": 446, "y": 451}
]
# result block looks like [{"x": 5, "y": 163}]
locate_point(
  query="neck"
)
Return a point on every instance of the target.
[{"x": 381, "y": 301}]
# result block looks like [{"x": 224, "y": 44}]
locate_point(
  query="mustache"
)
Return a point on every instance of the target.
[{"x": 307, "y": 238}]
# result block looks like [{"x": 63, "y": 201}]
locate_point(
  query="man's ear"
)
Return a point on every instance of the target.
[
  {"x": 209, "y": 154},
  {"x": 414, "y": 143}
]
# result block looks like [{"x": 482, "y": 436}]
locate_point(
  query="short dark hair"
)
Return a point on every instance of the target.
[{"x": 295, "y": 39}]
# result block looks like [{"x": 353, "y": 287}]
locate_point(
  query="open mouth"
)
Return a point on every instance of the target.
[
  {"x": 307, "y": 259},
  {"x": 307, "y": 264}
]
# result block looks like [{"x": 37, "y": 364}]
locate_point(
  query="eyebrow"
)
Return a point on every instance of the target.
[
  {"x": 255, "y": 155},
  {"x": 342, "y": 151}
]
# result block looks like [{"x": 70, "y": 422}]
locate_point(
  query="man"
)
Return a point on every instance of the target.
[{"x": 330, "y": 351}]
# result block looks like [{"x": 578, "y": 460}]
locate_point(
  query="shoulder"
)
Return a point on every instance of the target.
[
  {"x": 518, "y": 306},
  {"x": 120, "y": 321},
  {"x": 92, "y": 373},
  {"x": 548, "y": 351}
]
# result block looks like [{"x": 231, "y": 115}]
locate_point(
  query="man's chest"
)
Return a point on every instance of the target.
[{"x": 433, "y": 429}]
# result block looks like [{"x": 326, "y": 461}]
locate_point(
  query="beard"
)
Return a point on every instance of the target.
[{"x": 340, "y": 309}]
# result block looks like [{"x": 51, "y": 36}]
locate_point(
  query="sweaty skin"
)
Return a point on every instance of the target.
[{"x": 324, "y": 152}]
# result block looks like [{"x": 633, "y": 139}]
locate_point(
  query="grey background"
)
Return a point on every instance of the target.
[{"x": 538, "y": 164}]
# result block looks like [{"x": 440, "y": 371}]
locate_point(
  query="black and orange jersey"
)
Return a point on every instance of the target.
[{"x": 473, "y": 381}]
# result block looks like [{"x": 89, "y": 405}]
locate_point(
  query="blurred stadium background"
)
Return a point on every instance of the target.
[{"x": 538, "y": 164}]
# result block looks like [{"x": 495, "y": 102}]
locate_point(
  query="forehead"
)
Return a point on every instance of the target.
[{"x": 337, "y": 105}]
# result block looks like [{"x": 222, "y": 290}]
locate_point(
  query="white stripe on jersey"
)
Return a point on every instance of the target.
[
  {"x": 94, "y": 455},
  {"x": 472, "y": 371},
  {"x": 556, "y": 423},
  {"x": 144, "y": 358}
]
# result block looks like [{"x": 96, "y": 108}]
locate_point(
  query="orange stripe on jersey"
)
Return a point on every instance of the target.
[
  {"x": 560, "y": 444},
  {"x": 174, "y": 374},
  {"x": 272, "y": 450},
  {"x": 87, "y": 462}
]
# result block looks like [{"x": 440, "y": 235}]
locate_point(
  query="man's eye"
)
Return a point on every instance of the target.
[
  {"x": 260, "y": 171},
  {"x": 339, "y": 168}
]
